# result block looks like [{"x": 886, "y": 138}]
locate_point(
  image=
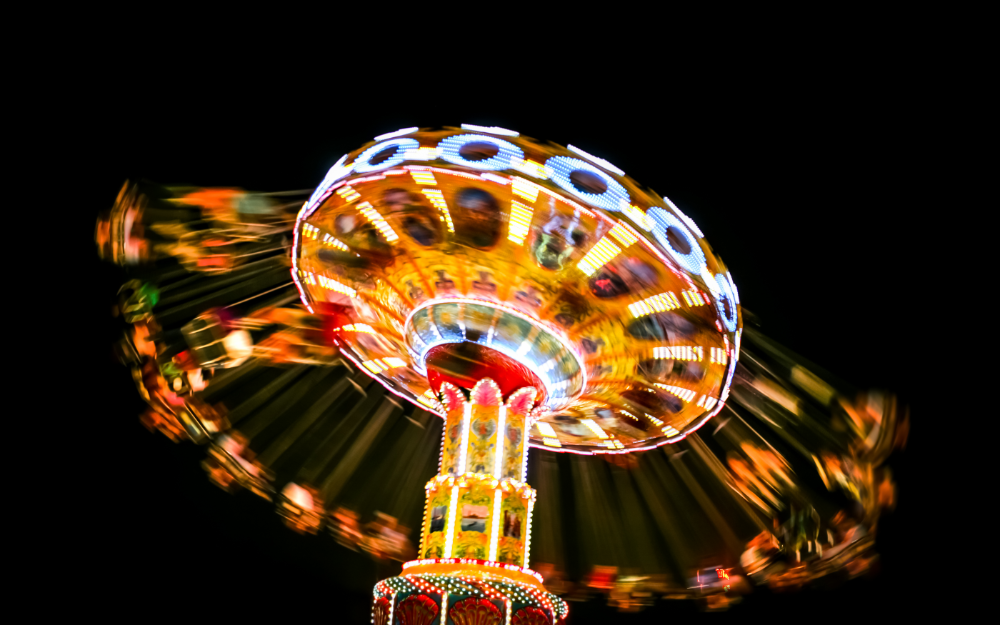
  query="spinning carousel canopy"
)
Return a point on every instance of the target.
[{"x": 453, "y": 253}]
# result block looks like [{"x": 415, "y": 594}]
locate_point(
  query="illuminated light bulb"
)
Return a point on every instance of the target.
[
  {"x": 686, "y": 394},
  {"x": 598, "y": 256},
  {"x": 357, "y": 327},
  {"x": 654, "y": 304},
  {"x": 679, "y": 352},
  {"x": 437, "y": 199},
  {"x": 621, "y": 234},
  {"x": 551, "y": 442},
  {"x": 329, "y": 241},
  {"x": 422, "y": 176},
  {"x": 524, "y": 189},
  {"x": 596, "y": 429},
  {"x": 635, "y": 214},
  {"x": 670, "y": 431},
  {"x": 654, "y": 419},
  {"x": 533, "y": 169},
  {"x": 520, "y": 222},
  {"x": 348, "y": 193},
  {"x": 376, "y": 219},
  {"x": 332, "y": 285},
  {"x": 524, "y": 347},
  {"x": 418, "y": 154}
]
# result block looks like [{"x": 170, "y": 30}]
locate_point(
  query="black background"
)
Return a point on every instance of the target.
[{"x": 800, "y": 175}]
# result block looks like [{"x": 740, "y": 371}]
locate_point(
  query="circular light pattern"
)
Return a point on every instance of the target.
[
  {"x": 729, "y": 319},
  {"x": 363, "y": 164},
  {"x": 694, "y": 259},
  {"x": 560, "y": 168},
  {"x": 506, "y": 157}
]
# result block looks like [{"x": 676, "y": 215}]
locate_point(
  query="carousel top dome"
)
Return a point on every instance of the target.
[{"x": 457, "y": 254}]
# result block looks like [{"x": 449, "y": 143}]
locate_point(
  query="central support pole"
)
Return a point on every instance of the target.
[{"x": 478, "y": 505}]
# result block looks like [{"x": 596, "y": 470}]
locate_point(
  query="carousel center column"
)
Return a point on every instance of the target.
[{"x": 478, "y": 506}]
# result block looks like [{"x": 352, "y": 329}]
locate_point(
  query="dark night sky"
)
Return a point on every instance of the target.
[{"x": 800, "y": 181}]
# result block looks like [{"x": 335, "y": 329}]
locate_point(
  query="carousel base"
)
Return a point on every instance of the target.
[{"x": 465, "y": 591}]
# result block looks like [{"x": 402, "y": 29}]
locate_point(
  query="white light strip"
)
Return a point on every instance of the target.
[
  {"x": 501, "y": 440},
  {"x": 527, "y": 533},
  {"x": 495, "y": 531},
  {"x": 398, "y": 133},
  {"x": 495, "y": 178},
  {"x": 600, "y": 161},
  {"x": 493, "y": 130},
  {"x": 452, "y": 510},
  {"x": 465, "y": 439}
]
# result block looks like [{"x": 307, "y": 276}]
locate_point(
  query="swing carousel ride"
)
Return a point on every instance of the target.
[{"x": 527, "y": 296}]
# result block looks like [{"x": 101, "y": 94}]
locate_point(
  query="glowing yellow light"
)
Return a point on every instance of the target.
[
  {"x": 357, "y": 327},
  {"x": 707, "y": 402},
  {"x": 636, "y": 215},
  {"x": 596, "y": 429},
  {"x": 394, "y": 362},
  {"x": 309, "y": 231},
  {"x": 694, "y": 298},
  {"x": 717, "y": 355},
  {"x": 685, "y": 394},
  {"x": 332, "y": 285},
  {"x": 348, "y": 193},
  {"x": 657, "y": 303},
  {"x": 551, "y": 442},
  {"x": 598, "y": 256},
  {"x": 679, "y": 352},
  {"x": 524, "y": 189},
  {"x": 533, "y": 169},
  {"x": 654, "y": 419},
  {"x": 670, "y": 431},
  {"x": 520, "y": 221},
  {"x": 621, "y": 234},
  {"x": 373, "y": 216},
  {"x": 421, "y": 154},
  {"x": 437, "y": 199},
  {"x": 545, "y": 429},
  {"x": 452, "y": 508},
  {"x": 422, "y": 176},
  {"x": 495, "y": 531}
]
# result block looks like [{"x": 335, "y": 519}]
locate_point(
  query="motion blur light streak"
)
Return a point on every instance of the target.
[{"x": 574, "y": 312}]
